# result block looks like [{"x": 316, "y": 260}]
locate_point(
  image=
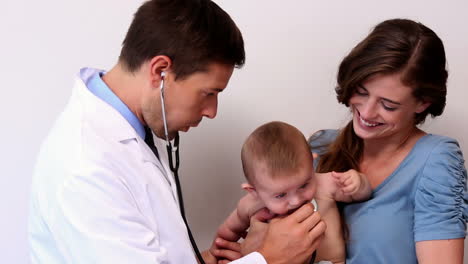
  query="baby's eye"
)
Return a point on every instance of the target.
[
  {"x": 303, "y": 186},
  {"x": 281, "y": 195}
]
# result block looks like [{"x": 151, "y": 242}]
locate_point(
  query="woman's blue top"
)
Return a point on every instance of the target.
[{"x": 425, "y": 198}]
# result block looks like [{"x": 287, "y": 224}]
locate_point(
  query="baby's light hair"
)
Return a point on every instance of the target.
[{"x": 278, "y": 146}]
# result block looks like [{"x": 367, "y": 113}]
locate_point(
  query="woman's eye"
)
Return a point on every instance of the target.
[
  {"x": 279, "y": 196},
  {"x": 361, "y": 91},
  {"x": 388, "y": 108}
]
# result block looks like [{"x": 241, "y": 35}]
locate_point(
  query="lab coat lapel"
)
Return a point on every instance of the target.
[
  {"x": 148, "y": 156},
  {"x": 119, "y": 130}
]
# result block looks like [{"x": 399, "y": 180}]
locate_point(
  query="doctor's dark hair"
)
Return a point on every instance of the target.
[
  {"x": 192, "y": 33},
  {"x": 278, "y": 146},
  {"x": 396, "y": 46}
]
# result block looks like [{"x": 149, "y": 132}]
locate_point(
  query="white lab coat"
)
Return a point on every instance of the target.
[{"x": 99, "y": 195}]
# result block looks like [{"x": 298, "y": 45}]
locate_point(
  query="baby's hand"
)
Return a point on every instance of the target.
[
  {"x": 349, "y": 182},
  {"x": 352, "y": 186}
]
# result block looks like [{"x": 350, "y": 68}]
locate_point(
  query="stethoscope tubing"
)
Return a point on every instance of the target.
[{"x": 175, "y": 169}]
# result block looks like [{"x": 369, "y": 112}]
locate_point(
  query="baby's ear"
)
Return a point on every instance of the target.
[{"x": 249, "y": 188}]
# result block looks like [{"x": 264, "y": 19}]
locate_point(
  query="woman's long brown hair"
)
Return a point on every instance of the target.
[{"x": 394, "y": 46}]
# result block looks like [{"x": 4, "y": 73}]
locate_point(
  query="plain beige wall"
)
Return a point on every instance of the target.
[{"x": 293, "y": 50}]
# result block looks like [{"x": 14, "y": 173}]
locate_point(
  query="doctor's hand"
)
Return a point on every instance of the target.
[
  {"x": 223, "y": 251},
  {"x": 208, "y": 257},
  {"x": 225, "y": 247},
  {"x": 291, "y": 239}
]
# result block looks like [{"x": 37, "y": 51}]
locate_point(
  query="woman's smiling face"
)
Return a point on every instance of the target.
[{"x": 383, "y": 106}]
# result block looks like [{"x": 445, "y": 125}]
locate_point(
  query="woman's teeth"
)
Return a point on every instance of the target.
[{"x": 366, "y": 123}]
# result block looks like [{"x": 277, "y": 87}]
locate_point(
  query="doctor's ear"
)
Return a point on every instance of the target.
[
  {"x": 159, "y": 66},
  {"x": 249, "y": 188}
]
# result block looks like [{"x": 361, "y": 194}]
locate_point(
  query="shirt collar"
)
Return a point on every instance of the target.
[{"x": 100, "y": 89}]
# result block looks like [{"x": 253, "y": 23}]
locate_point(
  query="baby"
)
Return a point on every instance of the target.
[{"x": 278, "y": 166}]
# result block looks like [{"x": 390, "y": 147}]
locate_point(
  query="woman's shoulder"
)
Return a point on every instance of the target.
[
  {"x": 441, "y": 199},
  {"x": 439, "y": 138},
  {"x": 440, "y": 145},
  {"x": 444, "y": 156},
  {"x": 320, "y": 140}
]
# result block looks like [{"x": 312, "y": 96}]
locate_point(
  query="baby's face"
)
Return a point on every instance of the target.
[{"x": 287, "y": 192}]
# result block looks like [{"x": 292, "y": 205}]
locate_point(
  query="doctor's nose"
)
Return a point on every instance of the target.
[{"x": 211, "y": 110}]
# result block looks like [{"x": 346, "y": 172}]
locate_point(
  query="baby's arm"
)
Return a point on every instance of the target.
[
  {"x": 235, "y": 226},
  {"x": 349, "y": 186},
  {"x": 352, "y": 186},
  {"x": 332, "y": 247}
]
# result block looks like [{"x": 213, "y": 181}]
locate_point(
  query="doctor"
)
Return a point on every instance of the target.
[{"x": 100, "y": 194}]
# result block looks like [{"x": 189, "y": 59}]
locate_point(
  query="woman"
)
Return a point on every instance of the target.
[{"x": 391, "y": 81}]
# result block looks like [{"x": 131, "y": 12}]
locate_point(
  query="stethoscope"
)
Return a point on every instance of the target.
[
  {"x": 174, "y": 151},
  {"x": 171, "y": 152}
]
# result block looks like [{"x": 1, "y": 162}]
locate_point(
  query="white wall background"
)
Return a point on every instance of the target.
[{"x": 293, "y": 51}]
